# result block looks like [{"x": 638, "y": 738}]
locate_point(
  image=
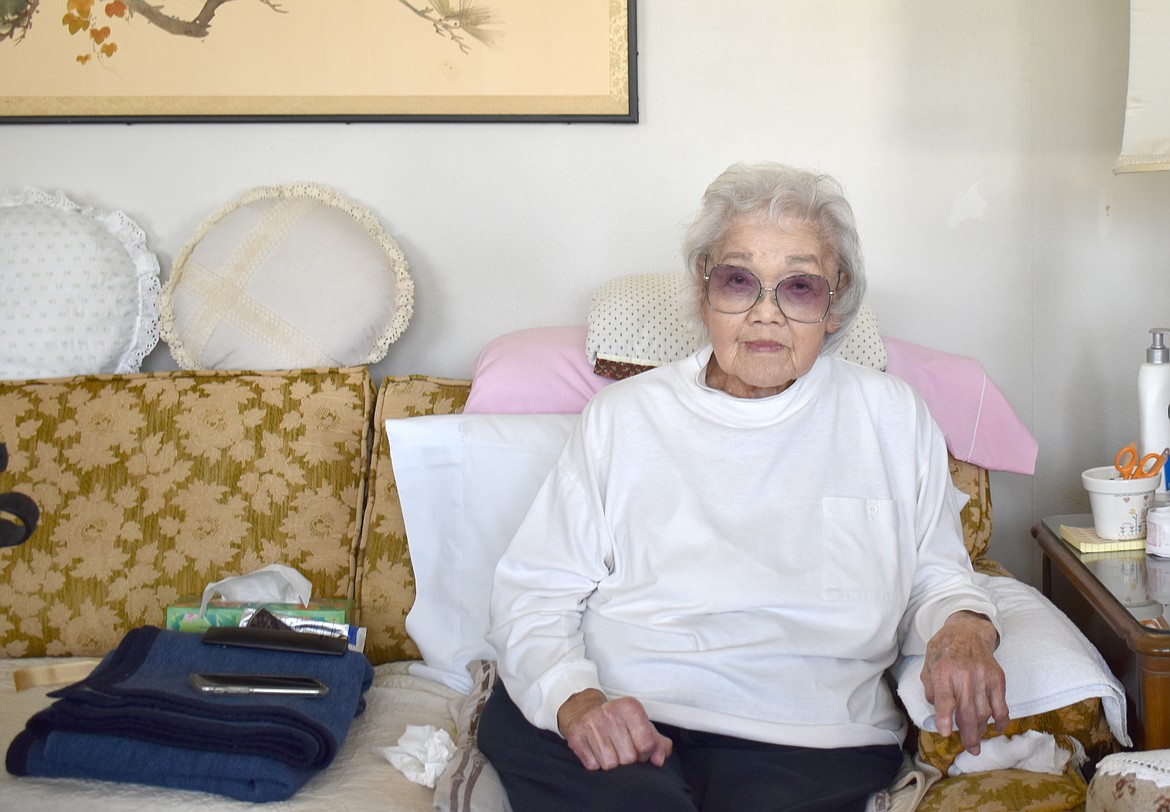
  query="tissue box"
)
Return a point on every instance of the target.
[{"x": 184, "y": 616}]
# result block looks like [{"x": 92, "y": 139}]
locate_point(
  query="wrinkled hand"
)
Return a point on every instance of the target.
[
  {"x": 963, "y": 679},
  {"x": 605, "y": 733}
]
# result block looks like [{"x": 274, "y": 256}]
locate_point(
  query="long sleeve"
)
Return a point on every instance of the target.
[
  {"x": 555, "y": 562},
  {"x": 943, "y": 583}
]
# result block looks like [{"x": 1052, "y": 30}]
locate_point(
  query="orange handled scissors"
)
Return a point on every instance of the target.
[{"x": 1130, "y": 466}]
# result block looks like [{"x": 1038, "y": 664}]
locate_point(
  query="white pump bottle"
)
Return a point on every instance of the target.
[{"x": 1154, "y": 401}]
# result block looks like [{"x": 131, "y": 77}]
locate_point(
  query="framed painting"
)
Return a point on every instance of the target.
[{"x": 293, "y": 60}]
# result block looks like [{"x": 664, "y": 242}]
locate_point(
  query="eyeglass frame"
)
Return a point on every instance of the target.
[{"x": 760, "y": 296}]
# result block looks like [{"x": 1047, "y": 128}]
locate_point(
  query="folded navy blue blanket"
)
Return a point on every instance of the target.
[{"x": 136, "y": 718}]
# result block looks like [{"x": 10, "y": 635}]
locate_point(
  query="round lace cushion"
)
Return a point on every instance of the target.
[
  {"x": 287, "y": 277},
  {"x": 78, "y": 288}
]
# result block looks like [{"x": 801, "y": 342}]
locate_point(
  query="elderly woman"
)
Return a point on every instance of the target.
[{"x": 700, "y": 607}]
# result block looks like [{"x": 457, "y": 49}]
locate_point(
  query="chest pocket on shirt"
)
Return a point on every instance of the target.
[{"x": 860, "y": 549}]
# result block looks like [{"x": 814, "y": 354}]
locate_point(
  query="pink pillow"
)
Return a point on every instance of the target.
[
  {"x": 980, "y": 425},
  {"x": 542, "y": 370}
]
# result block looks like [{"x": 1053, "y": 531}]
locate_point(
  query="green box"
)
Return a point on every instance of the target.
[{"x": 184, "y": 616}]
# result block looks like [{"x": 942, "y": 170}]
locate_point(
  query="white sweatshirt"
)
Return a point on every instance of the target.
[{"x": 746, "y": 567}]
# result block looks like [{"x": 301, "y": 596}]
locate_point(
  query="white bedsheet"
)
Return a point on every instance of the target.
[{"x": 359, "y": 779}]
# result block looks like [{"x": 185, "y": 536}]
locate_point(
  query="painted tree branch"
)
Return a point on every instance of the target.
[
  {"x": 199, "y": 26},
  {"x": 453, "y": 22}
]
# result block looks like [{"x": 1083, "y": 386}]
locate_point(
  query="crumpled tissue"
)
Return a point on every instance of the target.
[
  {"x": 275, "y": 583},
  {"x": 421, "y": 754},
  {"x": 1031, "y": 750}
]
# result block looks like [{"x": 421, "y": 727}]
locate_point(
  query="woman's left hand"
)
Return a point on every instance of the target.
[{"x": 963, "y": 680}]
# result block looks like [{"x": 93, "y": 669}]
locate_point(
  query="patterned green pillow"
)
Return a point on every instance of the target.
[
  {"x": 975, "y": 482},
  {"x": 153, "y": 485},
  {"x": 385, "y": 578}
]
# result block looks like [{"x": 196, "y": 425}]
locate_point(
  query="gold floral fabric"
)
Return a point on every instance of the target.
[
  {"x": 974, "y": 481},
  {"x": 1083, "y": 721},
  {"x": 152, "y": 485},
  {"x": 385, "y": 578},
  {"x": 1006, "y": 791}
]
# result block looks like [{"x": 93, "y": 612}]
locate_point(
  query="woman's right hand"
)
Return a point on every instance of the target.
[{"x": 605, "y": 733}]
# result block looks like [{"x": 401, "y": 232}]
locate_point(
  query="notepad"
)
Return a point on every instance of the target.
[{"x": 1087, "y": 541}]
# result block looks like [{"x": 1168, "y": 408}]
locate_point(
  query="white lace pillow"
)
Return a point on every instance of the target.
[
  {"x": 639, "y": 321},
  {"x": 286, "y": 277},
  {"x": 78, "y": 288}
]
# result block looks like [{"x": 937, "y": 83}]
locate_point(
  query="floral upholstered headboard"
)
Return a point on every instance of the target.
[{"x": 152, "y": 485}]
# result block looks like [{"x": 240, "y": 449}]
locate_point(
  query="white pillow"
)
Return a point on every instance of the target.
[
  {"x": 1046, "y": 660},
  {"x": 639, "y": 320},
  {"x": 78, "y": 289},
  {"x": 286, "y": 277},
  {"x": 465, "y": 483}
]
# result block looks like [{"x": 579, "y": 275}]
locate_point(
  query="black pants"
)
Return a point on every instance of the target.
[{"x": 706, "y": 771}]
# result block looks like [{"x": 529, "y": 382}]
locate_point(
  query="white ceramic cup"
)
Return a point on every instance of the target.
[
  {"x": 1158, "y": 534},
  {"x": 1119, "y": 505}
]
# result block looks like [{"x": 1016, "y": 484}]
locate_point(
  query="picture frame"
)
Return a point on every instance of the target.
[{"x": 127, "y": 61}]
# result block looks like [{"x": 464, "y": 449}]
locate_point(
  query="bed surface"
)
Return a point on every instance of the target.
[{"x": 359, "y": 779}]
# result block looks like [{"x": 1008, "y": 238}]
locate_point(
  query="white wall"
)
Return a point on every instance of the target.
[{"x": 975, "y": 139}]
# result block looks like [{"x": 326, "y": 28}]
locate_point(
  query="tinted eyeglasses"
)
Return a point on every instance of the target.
[{"x": 801, "y": 297}]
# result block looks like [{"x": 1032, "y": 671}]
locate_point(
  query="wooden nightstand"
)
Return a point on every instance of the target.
[{"x": 1108, "y": 595}]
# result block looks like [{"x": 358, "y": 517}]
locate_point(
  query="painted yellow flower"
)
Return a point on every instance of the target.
[
  {"x": 384, "y": 610},
  {"x": 210, "y": 526},
  {"x": 326, "y": 415},
  {"x": 317, "y": 525},
  {"x": 92, "y": 533},
  {"x": 164, "y": 392},
  {"x": 20, "y": 419},
  {"x": 30, "y": 578},
  {"x": 103, "y": 422},
  {"x": 138, "y": 589},
  {"x": 214, "y": 422},
  {"x": 46, "y": 481},
  {"x": 273, "y": 475},
  {"x": 84, "y": 632},
  {"x": 157, "y": 468}
]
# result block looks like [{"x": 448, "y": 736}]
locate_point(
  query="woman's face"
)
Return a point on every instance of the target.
[{"x": 760, "y": 353}]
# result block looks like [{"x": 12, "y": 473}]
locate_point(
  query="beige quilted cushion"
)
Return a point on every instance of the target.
[
  {"x": 1129, "y": 782},
  {"x": 152, "y": 485},
  {"x": 385, "y": 578}
]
